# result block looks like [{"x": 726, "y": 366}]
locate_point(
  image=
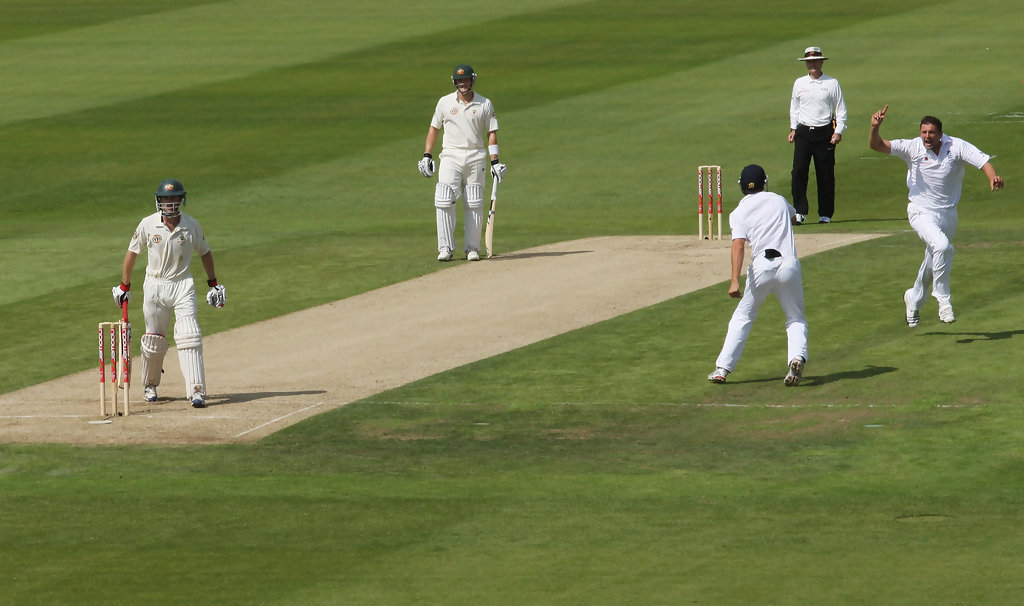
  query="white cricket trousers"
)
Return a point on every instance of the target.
[
  {"x": 460, "y": 171},
  {"x": 164, "y": 297},
  {"x": 783, "y": 278},
  {"x": 936, "y": 228}
]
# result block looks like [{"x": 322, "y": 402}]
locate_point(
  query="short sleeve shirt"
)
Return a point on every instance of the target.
[
  {"x": 764, "y": 220},
  {"x": 465, "y": 125},
  {"x": 169, "y": 253},
  {"x": 935, "y": 180}
]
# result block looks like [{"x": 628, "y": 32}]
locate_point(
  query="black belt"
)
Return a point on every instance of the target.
[
  {"x": 771, "y": 253},
  {"x": 829, "y": 125}
]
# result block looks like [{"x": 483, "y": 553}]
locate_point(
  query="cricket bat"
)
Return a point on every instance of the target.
[
  {"x": 126, "y": 354},
  {"x": 489, "y": 232}
]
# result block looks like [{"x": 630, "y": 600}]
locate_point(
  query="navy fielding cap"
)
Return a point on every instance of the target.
[{"x": 752, "y": 178}]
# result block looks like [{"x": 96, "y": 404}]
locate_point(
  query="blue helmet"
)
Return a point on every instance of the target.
[
  {"x": 170, "y": 188},
  {"x": 463, "y": 71}
]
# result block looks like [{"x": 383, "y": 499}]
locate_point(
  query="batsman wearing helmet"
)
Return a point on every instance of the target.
[
  {"x": 470, "y": 138},
  {"x": 169, "y": 237}
]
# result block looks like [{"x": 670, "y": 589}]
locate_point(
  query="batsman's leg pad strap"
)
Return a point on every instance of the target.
[
  {"x": 444, "y": 195},
  {"x": 187, "y": 334},
  {"x": 154, "y": 348}
]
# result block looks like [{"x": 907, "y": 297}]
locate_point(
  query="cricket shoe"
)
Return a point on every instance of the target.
[
  {"x": 444, "y": 254},
  {"x": 796, "y": 370},
  {"x": 946, "y": 315},
  {"x": 198, "y": 401},
  {"x": 149, "y": 393},
  {"x": 800, "y": 219},
  {"x": 472, "y": 256},
  {"x": 824, "y": 219},
  {"x": 913, "y": 315},
  {"x": 718, "y": 376}
]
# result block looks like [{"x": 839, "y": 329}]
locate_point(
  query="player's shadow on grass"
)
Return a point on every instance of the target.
[
  {"x": 846, "y": 375},
  {"x": 242, "y": 398},
  {"x": 813, "y": 380},
  {"x": 513, "y": 256},
  {"x": 971, "y": 337},
  {"x": 869, "y": 220}
]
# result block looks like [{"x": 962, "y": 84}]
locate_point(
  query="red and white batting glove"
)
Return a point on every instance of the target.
[
  {"x": 121, "y": 294},
  {"x": 216, "y": 297}
]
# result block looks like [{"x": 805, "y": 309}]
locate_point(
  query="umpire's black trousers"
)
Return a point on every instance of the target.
[{"x": 814, "y": 142}]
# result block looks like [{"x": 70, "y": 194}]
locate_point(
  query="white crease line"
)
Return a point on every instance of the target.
[
  {"x": 137, "y": 414},
  {"x": 272, "y": 421},
  {"x": 47, "y": 416},
  {"x": 853, "y": 239},
  {"x": 693, "y": 404}
]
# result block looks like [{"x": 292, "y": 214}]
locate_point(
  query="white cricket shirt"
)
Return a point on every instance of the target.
[
  {"x": 465, "y": 125},
  {"x": 816, "y": 102},
  {"x": 935, "y": 181},
  {"x": 763, "y": 220},
  {"x": 169, "y": 253}
]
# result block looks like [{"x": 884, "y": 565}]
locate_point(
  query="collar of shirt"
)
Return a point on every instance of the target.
[
  {"x": 945, "y": 146},
  {"x": 474, "y": 101}
]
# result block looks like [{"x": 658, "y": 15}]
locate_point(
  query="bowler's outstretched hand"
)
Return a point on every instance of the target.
[{"x": 877, "y": 117}]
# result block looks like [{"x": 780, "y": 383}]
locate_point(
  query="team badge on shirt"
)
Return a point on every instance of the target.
[{"x": 157, "y": 239}]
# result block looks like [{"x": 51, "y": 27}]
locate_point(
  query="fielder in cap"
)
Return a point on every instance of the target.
[
  {"x": 935, "y": 178},
  {"x": 470, "y": 139},
  {"x": 170, "y": 237},
  {"x": 764, "y": 220},
  {"x": 817, "y": 119}
]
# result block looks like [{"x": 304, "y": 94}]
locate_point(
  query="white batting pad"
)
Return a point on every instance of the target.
[
  {"x": 192, "y": 369},
  {"x": 446, "y": 228},
  {"x": 187, "y": 333},
  {"x": 444, "y": 195},
  {"x": 189, "y": 340},
  {"x": 474, "y": 195},
  {"x": 154, "y": 348},
  {"x": 474, "y": 221}
]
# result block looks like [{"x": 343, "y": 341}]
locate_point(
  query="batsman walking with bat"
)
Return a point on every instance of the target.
[
  {"x": 470, "y": 135},
  {"x": 169, "y": 238}
]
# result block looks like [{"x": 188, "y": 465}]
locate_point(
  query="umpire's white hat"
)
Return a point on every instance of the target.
[{"x": 811, "y": 53}]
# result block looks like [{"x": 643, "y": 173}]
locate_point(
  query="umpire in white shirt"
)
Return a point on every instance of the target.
[{"x": 817, "y": 119}]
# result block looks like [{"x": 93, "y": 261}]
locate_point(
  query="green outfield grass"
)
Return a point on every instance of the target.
[{"x": 598, "y": 467}]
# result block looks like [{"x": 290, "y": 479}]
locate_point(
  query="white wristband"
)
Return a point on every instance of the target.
[{"x": 492, "y": 149}]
